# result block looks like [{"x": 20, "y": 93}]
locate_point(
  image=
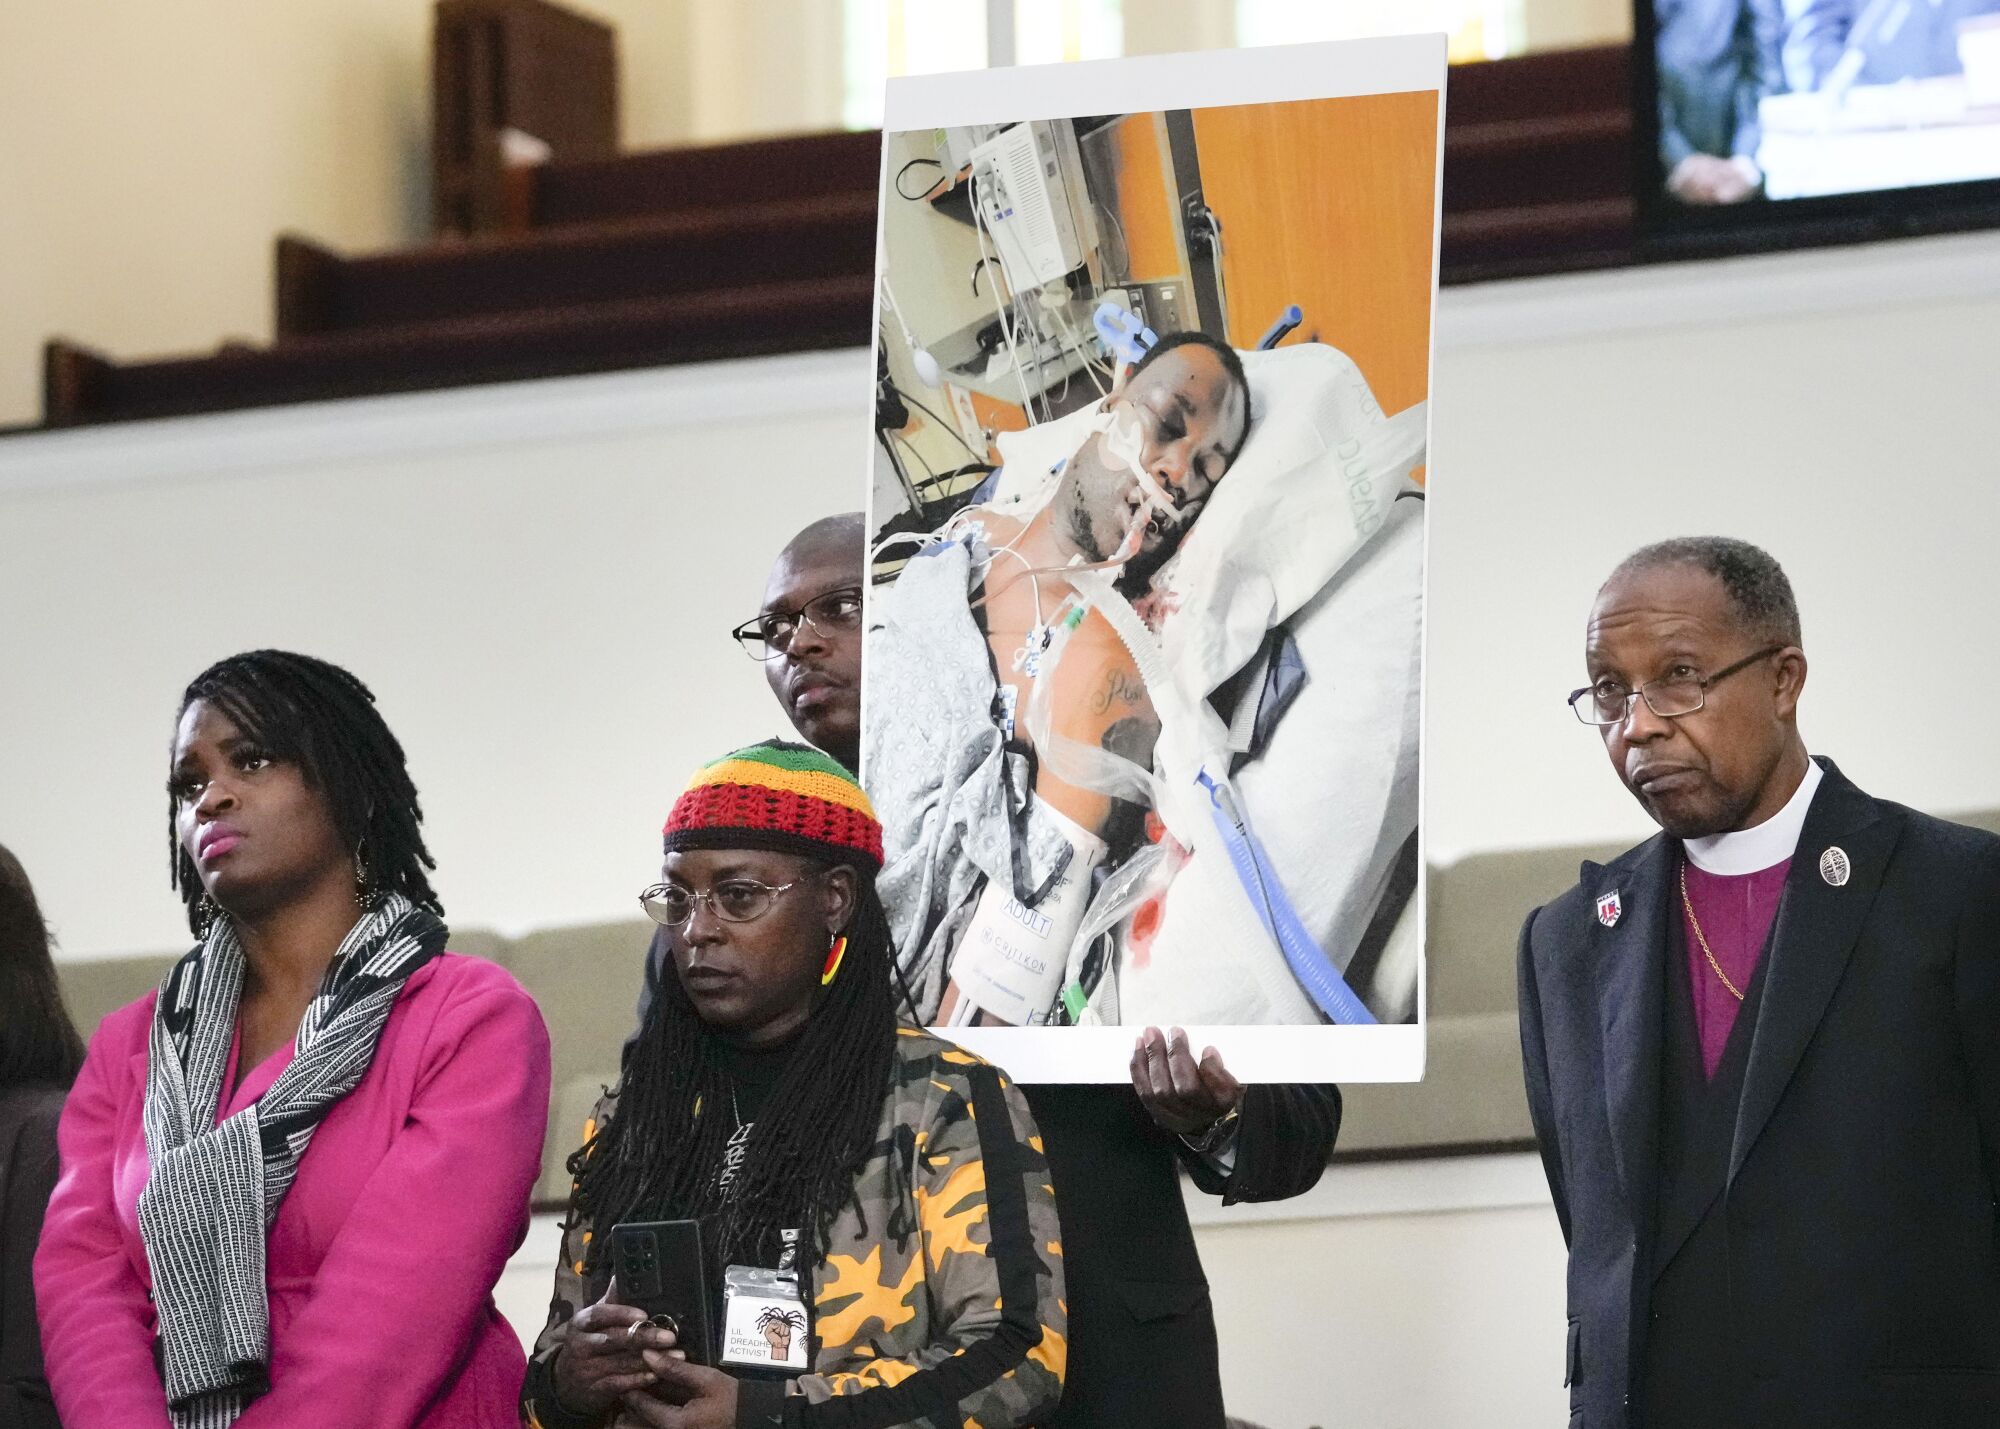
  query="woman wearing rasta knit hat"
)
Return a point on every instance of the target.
[{"x": 894, "y": 1181}]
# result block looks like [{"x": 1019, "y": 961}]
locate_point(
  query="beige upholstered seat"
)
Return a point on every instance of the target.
[{"x": 587, "y": 981}]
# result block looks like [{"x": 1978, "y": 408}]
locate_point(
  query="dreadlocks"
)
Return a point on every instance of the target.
[
  {"x": 323, "y": 719},
  {"x": 658, "y": 1155}
]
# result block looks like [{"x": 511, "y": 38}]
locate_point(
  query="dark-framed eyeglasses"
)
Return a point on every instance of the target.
[
  {"x": 734, "y": 900},
  {"x": 1607, "y": 702},
  {"x": 770, "y": 635}
]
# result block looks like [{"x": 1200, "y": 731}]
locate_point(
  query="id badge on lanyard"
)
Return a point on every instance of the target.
[{"x": 765, "y": 1324}]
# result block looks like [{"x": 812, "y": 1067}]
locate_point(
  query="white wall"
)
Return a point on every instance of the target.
[
  {"x": 1837, "y": 408},
  {"x": 1396, "y": 1320},
  {"x": 536, "y": 580}
]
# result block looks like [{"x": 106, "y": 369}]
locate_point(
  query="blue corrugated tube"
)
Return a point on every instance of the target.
[{"x": 1308, "y": 962}]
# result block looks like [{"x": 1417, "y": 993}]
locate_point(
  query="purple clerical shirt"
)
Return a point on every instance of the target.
[{"x": 1735, "y": 911}]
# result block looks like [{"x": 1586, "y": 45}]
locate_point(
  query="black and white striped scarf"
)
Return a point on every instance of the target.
[{"x": 214, "y": 1190}]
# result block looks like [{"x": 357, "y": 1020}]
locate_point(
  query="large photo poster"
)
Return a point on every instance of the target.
[{"x": 1144, "y": 633}]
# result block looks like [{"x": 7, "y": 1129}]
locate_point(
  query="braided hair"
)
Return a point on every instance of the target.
[
  {"x": 658, "y": 1155},
  {"x": 323, "y": 719}
]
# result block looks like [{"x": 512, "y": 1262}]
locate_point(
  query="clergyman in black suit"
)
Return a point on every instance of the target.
[
  {"x": 1763, "y": 1048},
  {"x": 1142, "y": 1346}
]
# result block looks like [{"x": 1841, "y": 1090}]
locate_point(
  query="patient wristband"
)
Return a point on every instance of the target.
[{"x": 1011, "y": 958}]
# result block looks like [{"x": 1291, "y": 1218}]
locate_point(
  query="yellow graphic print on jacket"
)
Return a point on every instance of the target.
[{"x": 937, "y": 1299}]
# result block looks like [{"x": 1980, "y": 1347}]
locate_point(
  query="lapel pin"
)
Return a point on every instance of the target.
[
  {"x": 1608, "y": 907},
  {"x": 1834, "y": 867}
]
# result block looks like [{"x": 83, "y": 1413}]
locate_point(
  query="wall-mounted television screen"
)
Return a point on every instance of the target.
[{"x": 1756, "y": 113}]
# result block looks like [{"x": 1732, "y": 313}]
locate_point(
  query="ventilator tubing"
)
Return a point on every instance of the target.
[
  {"x": 1192, "y": 755},
  {"x": 1010, "y": 959},
  {"x": 1309, "y": 964}
]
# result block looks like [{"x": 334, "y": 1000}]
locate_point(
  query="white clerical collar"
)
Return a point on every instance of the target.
[{"x": 1755, "y": 849}]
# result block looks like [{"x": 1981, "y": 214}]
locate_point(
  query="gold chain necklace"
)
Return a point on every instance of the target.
[{"x": 1695, "y": 923}]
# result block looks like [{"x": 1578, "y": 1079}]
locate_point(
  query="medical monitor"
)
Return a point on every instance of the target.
[{"x": 1784, "y": 121}]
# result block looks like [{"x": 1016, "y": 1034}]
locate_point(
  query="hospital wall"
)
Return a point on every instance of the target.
[
  {"x": 1354, "y": 254},
  {"x": 930, "y": 297},
  {"x": 537, "y": 581}
]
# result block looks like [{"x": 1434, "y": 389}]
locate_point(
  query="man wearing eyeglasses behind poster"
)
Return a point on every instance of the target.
[
  {"x": 808, "y": 634},
  {"x": 1762, "y": 1049},
  {"x": 1142, "y": 1342}
]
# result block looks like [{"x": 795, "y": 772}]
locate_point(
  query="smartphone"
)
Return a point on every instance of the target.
[{"x": 660, "y": 1269}]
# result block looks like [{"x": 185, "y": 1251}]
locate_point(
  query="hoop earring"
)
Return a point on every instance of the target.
[{"x": 836, "y": 950}]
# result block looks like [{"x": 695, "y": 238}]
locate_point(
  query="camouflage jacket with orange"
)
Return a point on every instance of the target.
[{"x": 942, "y": 1303}]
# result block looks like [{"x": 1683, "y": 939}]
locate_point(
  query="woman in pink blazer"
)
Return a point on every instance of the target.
[{"x": 292, "y": 1176}]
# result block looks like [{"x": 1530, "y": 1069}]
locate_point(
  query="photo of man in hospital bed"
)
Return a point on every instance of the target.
[{"x": 1142, "y": 720}]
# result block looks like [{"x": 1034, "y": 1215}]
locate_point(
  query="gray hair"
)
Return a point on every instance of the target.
[{"x": 1755, "y": 582}]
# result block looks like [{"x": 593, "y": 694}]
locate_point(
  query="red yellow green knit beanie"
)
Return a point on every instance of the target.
[{"x": 781, "y": 796}]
